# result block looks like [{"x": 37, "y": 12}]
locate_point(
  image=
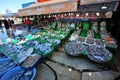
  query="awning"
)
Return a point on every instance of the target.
[
  {"x": 85, "y": 2},
  {"x": 49, "y": 7}
]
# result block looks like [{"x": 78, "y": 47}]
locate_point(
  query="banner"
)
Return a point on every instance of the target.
[{"x": 70, "y": 6}]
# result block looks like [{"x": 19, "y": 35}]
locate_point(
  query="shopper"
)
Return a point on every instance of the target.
[
  {"x": 28, "y": 23},
  {"x": 23, "y": 21},
  {"x": 9, "y": 23},
  {"x": 12, "y": 21},
  {"x": 35, "y": 20},
  {"x": 6, "y": 24}
]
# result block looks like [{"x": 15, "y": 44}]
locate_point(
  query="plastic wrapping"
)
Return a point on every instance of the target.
[
  {"x": 6, "y": 65},
  {"x": 18, "y": 73}
]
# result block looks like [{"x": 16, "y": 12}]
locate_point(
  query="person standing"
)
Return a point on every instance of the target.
[
  {"x": 6, "y": 24},
  {"x": 23, "y": 20},
  {"x": 9, "y": 23},
  {"x": 28, "y": 23},
  {"x": 12, "y": 21}
]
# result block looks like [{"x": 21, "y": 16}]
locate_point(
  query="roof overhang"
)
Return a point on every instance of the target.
[
  {"x": 86, "y": 2},
  {"x": 49, "y": 7}
]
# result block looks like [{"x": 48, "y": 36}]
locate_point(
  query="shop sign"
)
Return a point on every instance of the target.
[
  {"x": 48, "y": 9},
  {"x": 57, "y": 6},
  {"x": 39, "y": 10},
  {"x": 25, "y": 12}
]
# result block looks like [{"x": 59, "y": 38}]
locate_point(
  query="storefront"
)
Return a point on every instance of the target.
[{"x": 73, "y": 34}]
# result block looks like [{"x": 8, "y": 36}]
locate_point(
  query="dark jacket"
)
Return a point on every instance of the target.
[{"x": 6, "y": 24}]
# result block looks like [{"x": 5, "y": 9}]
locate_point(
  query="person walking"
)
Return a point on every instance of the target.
[{"x": 28, "y": 23}]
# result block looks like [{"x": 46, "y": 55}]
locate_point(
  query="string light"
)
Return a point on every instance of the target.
[
  {"x": 98, "y": 14},
  {"x": 70, "y": 69},
  {"x": 77, "y": 15},
  {"x": 86, "y": 14}
]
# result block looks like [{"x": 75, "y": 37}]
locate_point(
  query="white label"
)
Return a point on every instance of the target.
[
  {"x": 39, "y": 10},
  {"x": 57, "y": 6}
]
